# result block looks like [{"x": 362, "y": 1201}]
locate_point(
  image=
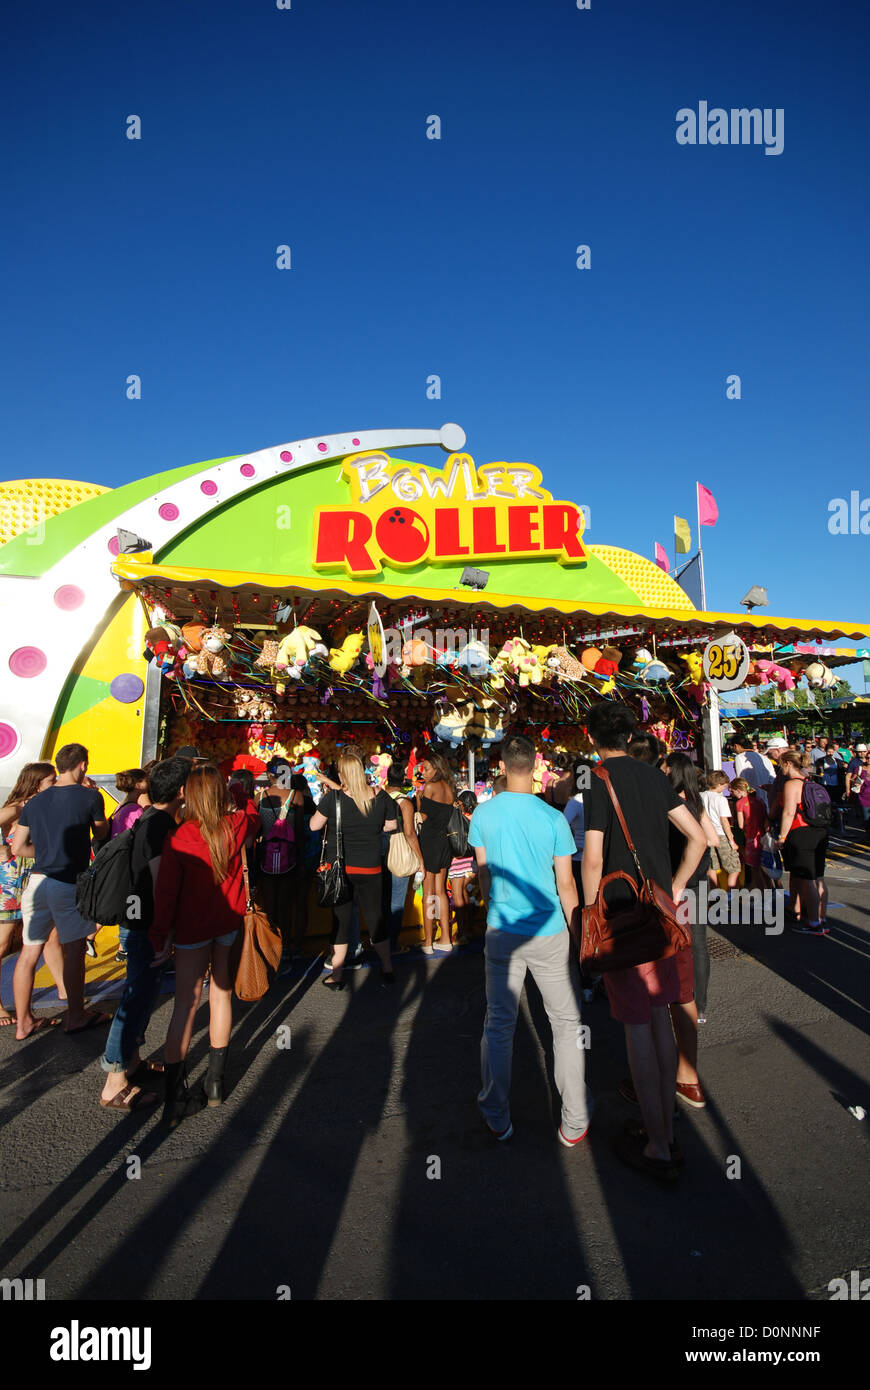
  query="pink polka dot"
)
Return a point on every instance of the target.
[
  {"x": 68, "y": 597},
  {"x": 247, "y": 470},
  {"x": 168, "y": 511},
  {"x": 9, "y": 740},
  {"x": 354, "y": 441},
  {"x": 208, "y": 487},
  {"x": 323, "y": 448},
  {"x": 286, "y": 456},
  {"x": 113, "y": 546},
  {"x": 28, "y": 662}
]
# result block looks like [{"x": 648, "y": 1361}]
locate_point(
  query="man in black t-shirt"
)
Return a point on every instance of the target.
[
  {"x": 54, "y": 829},
  {"x": 121, "y": 1059},
  {"x": 639, "y": 997}
]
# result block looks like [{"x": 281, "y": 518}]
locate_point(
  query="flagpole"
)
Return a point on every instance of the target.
[{"x": 700, "y": 550}]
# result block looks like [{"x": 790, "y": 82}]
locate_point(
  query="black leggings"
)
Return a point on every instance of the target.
[{"x": 366, "y": 890}]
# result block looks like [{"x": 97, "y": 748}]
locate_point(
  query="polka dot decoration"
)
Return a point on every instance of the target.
[
  {"x": 127, "y": 688},
  {"x": 168, "y": 511},
  {"x": 9, "y": 740},
  {"x": 248, "y": 470},
  {"x": 24, "y": 502},
  {"x": 208, "y": 488},
  {"x": 113, "y": 546},
  {"x": 68, "y": 597},
  {"x": 354, "y": 441},
  {"x": 323, "y": 447},
  {"x": 28, "y": 662},
  {"x": 286, "y": 456},
  {"x": 654, "y": 588}
]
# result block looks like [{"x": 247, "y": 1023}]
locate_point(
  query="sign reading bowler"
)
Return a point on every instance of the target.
[{"x": 406, "y": 515}]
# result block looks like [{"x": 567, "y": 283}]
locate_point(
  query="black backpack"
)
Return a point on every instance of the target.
[
  {"x": 106, "y": 891},
  {"x": 816, "y": 805}
]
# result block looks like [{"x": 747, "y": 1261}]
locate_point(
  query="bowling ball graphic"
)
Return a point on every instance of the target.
[{"x": 402, "y": 536}]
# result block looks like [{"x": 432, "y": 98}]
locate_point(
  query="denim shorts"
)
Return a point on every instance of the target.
[{"x": 226, "y": 940}]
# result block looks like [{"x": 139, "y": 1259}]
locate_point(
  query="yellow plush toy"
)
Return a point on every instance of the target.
[
  {"x": 695, "y": 664},
  {"x": 342, "y": 658}
]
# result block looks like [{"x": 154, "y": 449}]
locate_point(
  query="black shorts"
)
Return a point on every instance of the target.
[{"x": 804, "y": 852}]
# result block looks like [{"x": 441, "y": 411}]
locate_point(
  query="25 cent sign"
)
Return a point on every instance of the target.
[{"x": 726, "y": 662}]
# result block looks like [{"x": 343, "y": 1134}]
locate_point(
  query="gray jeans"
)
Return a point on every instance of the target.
[{"x": 555, "y": 972}]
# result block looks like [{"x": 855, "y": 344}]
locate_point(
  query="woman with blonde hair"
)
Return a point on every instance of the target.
[
  {"x": 199, "y": 907},
  {"x": 804, "y": 845},
  {"x": 434, "y": 803},
  {"x": 365, "y": 815},
  {"x": 33, "y": 778}
]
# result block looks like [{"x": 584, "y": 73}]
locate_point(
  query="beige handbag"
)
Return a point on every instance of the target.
[{"x": 401, "y": 859}]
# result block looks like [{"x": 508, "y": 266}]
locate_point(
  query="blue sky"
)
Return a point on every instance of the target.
[{"x": 457, "y": 257}]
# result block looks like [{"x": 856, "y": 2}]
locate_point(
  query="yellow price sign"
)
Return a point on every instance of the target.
[{"x": 726, "y": 662}]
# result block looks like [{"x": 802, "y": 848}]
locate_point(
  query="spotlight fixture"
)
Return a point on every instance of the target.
[
  {"x": 756, "y": 598},
  {"x": 474, "y": 579},
  {"x": 129, "y": 543}
]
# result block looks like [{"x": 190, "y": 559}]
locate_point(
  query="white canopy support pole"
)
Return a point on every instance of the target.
[{"x": 712, "y": 732}]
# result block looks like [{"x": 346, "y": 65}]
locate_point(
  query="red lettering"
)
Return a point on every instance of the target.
[
  {"x": 485, "y": 531},
  {"x": 447, "y": 534},
  {"x": 341, "y": 540},
  {"x": 522, "y": 523},
  {"x": 560, "y": 530}
]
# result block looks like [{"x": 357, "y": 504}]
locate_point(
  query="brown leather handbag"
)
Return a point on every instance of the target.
[
  {"x": 260, "y": 950},
  {"x": 648, "y": 930}
]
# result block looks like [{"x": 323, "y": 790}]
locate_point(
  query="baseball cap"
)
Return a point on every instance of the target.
[
  {"x": 777, "y": 743},
  {"x": 187, "y": 752},
  {"x": 860, "y": 748}
]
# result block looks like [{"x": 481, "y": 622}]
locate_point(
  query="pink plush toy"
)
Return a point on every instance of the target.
[{"x": 779, "y": 676}]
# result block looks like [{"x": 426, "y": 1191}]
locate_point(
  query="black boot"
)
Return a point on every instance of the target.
[
  {"x": 179, "y": 1103},
  {"x": 213, "y": 1085}
]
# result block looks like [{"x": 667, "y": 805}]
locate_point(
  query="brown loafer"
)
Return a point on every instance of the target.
[
  {"x": 131, "y": 1098},
  {"x": 691, "y": 1094}
]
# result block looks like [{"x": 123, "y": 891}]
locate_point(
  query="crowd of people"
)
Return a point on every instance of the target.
[{"x": 198, "y": 839}]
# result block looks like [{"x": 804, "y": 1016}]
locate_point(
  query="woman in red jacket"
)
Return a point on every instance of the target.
[{"x": 199, "y": 908}]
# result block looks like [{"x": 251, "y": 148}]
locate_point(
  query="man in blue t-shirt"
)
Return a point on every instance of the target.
[
  {"x": 524, "y": 851},
  {"x": 54, "y": 829}
]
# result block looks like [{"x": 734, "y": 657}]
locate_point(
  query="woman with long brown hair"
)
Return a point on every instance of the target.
[
  {"x": 433, "y": 804},
  {"x": 199, "y": 908},
  {"x": 33, "y": 778},
  {"x": 804, "y": 845},
  {"x": 365, "y": 815}
]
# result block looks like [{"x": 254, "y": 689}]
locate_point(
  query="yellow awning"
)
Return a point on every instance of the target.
[{"x": 134, "y": 571}]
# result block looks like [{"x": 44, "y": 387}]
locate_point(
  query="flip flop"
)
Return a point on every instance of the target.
[
  {"x": 95, "y": 1021},
  {"x": 40, "y": 1024},
  {"x": 131, "y": 1098}
]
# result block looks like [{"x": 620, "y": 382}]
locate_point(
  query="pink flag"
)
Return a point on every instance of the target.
[
  {"x": 708, "y": 512},
  {"x": 662, "y": 558}
]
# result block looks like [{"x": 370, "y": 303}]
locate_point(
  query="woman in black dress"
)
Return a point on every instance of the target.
[
  {"x": 365, "y": 815},
  {"x": 433, "y": 804}
]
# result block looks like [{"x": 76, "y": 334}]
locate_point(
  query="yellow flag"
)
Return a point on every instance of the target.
[{"x": 682, "y": 536}]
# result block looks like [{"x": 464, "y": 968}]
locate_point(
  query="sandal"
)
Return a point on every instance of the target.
[
  {"x": 131, "y": 1098},
  {"x": 635, "y": 1130},
  {"x": 659, "y": 1169}
]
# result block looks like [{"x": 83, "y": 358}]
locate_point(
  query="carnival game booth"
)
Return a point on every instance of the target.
[{"x": 327, "y": 590}]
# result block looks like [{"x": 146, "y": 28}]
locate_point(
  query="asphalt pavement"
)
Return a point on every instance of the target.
[{"x": 349, "y": 1161}]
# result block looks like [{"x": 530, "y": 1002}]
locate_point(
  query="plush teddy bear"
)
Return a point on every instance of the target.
[
  {"x": 342, "y": 658},
  {"x": 607, "y": 666},
  {"x": 210, "y": 660},
  {"x": 565, "y": 665},
  {"x": 164, "y": 645},
  {"x": 819, "y": 676}
]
